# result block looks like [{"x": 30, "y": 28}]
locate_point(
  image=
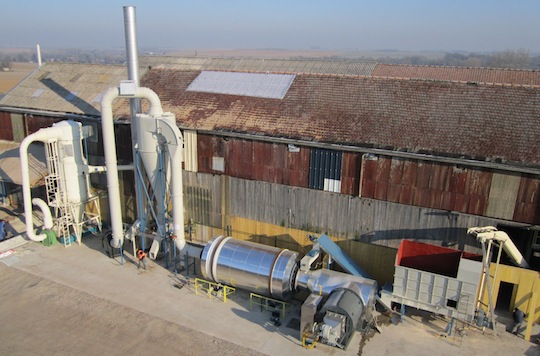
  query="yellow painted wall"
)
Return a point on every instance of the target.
[
  {"x": 526, "y": 283},
  {"x": 376, "y": 260}
]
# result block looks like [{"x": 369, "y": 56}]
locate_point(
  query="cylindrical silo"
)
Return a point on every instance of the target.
[{"x": 255, "y": 267}]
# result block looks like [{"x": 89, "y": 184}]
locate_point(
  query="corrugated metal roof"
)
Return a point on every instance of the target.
[
  {"x": 355, "y": 68},
  {"x": 62, "y": 87},
  {"x": 272, "y": 86}
]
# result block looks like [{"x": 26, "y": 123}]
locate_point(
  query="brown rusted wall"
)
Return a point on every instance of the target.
[
  {"x": 268, "y": 162},
  {"x": 6, "y": 130},
  {"x": 431, "y": 185},
  {"x": 442, "y": 186},
  {"x": 528, "y": 201},
  {"x": 350, "y": 173},
  {"x": 35, "y": 122}
]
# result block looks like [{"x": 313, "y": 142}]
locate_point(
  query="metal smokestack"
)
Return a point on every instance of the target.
[
  {"x": 38, "y": 54},
  {"x": 130, "y": 29}
]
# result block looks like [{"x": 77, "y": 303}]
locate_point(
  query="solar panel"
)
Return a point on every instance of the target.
[{"x": 261, "y": 85}]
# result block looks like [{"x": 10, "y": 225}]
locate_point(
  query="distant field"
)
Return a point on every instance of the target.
[
  {"x": 279, "y": 53},
  {"x": 18, "y": 72}
]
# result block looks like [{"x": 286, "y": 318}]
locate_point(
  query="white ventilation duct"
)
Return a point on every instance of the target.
[
  {"x": 152, "y": 128},
  {"x": 68, "y": 134}
]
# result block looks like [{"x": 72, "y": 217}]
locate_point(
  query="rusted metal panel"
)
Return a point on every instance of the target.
[
  {"x": 297, "y": 172},
  {"x": 350, "y": 171},
  {"x": 477, "y": 204},
  {"x": 422, "y": 197},
  {"x": 406, "y": 195},
  {"x": 368, "y": 178},
  {"x": 458, "y": 180},
  {"x": 423, "y": 175},
  {"x": 396, "y": 171},
  {"x": 461, "y": 202},
  {"x": 447, "y": 200},
  {"x": 234, "y": 164},
  {"x": 37, "y": 122},
  {"x": 439, "y": 180},
  {"x": 6, "y": 130},
  {"x": 409, "y": 173},
  {"x": 382, "y": 175},
  {"x": 527, "y": 207},
  {"x": 204, "y": 149},
  {"x": 393, "y": 192}
]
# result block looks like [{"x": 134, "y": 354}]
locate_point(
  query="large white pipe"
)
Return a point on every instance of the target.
[
  {"x": 47, "y": 216},
  {"x": 42, "y": 135},
  {"x": 173, "y": 136},
  {"x": 109, "y": 145}
]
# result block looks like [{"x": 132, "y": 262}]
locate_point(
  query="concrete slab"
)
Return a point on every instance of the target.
[{"x": 138, "y": 302}]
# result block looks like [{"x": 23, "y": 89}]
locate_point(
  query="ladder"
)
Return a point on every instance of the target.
[
  {"x": 64, "y": 222},
  {"x": 56, "y": 194},
  {"x": 53, "y": 182}
]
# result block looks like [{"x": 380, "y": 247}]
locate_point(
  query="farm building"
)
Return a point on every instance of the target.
[{"x": 367, "y": 153}]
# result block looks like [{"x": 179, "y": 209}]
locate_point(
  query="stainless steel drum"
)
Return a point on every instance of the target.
[{"x": 258, "y": 268}]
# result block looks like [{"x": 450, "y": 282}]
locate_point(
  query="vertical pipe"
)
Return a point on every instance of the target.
[
  {"x": 38, "y": 55},
  {"x": 109, "y": 147},
  {"x": 130, "y": 29},
  {"x": 132, "y": 59}
]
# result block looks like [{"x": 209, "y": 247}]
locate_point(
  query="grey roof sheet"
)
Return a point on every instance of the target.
[
  {"x": 291, "y": 66},
  {"x": 67, "y": 88}
]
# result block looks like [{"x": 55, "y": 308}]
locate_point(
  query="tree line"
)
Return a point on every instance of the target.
[{"x": 520, "y": 59}]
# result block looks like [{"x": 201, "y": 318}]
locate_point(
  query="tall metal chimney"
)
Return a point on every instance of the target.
[
  {"x": 38, "y": 54},
  {"x": 130, "y": 29}
]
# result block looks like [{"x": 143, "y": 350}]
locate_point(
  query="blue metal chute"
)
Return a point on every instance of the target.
[{"x": 332, "y": 249}]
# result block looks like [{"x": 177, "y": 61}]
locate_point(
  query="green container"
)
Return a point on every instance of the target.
[{"x": 50, "y": 239}]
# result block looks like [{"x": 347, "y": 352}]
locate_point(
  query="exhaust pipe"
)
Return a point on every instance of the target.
[{"x": 109, "y": 146}]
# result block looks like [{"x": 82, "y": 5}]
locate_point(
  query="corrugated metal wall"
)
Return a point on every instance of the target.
[
  {"x": 268, "y": 162},
  {"x": 339, "y": 215},
  {"x": 447, "y": 187},
  {"x": 6, "y": 131},
  {"x": 325, "y": 167}
]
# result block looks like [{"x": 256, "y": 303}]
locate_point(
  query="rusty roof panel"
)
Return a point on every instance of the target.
[
  {"x": 438, "y": 117},
  {"x": 441, "y": 118}
]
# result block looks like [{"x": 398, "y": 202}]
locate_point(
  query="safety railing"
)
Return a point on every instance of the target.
[
  {"x": 268, "y": 304},
  {"x": 211, "y": 289}
]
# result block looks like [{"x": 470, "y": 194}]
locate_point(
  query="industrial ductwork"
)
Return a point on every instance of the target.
[{"x": 70, "y": 169}]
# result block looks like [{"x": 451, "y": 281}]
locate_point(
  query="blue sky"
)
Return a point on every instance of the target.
[{"x": 450, "y": 25}]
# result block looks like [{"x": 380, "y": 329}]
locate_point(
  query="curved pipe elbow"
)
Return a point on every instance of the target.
[
  {"x": 47, "y": 216},
  {"x": 42, "y": 135}
]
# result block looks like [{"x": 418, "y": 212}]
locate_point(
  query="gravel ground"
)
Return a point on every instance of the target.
[{"x": 42, "y": 317}]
